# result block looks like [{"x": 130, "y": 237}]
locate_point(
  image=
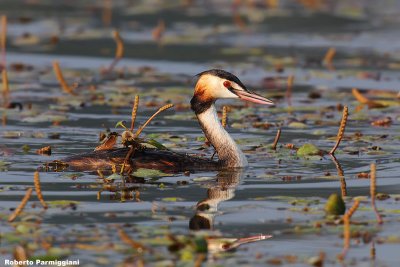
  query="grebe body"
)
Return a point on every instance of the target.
[{"x": 211, "y": 85}]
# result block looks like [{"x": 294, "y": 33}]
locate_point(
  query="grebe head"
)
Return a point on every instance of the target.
[{"x": 215, "y": 84}]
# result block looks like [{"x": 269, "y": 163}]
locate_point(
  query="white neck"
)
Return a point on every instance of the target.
[{"x": 229, "y": 153}]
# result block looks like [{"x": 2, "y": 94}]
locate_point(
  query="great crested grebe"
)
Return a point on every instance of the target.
[{"x": 211, "y": 85}]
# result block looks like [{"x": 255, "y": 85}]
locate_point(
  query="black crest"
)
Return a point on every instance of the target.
[{"x": 224, "y": 75}]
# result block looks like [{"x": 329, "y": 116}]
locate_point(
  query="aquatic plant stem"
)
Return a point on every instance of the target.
[
  {"x": 289, "y": 89},
  {"x": 328, "y": 58},
  {"x": 60, "y": 77},
  {"x": 134, "y": 112},
  {"x": 6, "y": 88},
  {"x": 129, "y": 241},
  {"x": 276, "y": 140},
  {"x": 36, "y": 181},
  {"x": 342, "y": 127},
  {"x": 3, "y": 40},
  {"x": 138, "y": 132},
  {"x": 343, "y": 185},
  {"x": 21, "y": 206},
  {"x": 373, "y": 192},
  {"x": 346, "y": 227},
  {"x": 119, "y": 51}
]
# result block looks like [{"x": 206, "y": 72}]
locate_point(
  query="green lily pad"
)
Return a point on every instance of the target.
[
  {"x": 149, "y": 173},
  {"x": 308, "y": 150}
]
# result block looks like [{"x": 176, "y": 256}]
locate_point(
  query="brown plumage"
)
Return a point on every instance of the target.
[{"x": 149, "y": 158}]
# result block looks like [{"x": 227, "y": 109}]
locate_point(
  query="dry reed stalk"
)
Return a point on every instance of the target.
[
  {"x": 21, "y": 206},
  {"x": 373, "y": 193},
  {"x": 20, "y": 254},
  {"x": 36, "y": 181},
  {"x": 3, "y": 40},
  {"x": 346, "y": 235},
  {"x": 343, "y": 186},
  {"x": 119, "y": 50},
  {"x": 277, "y": 136},
  {"x": 60, "y": 77},
  {"x": 134, "y": 112},
  {"x": 6, "y": 88},
  {"x": 346, "y": 227},
  {"x": 129, "y": 241},
  {"x": 138, "y": 132},
  {"x": 328, "y": 58},
  {"x": 342, "y": 127},
  {"x": 353, "y": 208},
  {"x": 360, "y": 98},
  {"x": 107, "y": 13},
  {"x": 289, "y": 89}
]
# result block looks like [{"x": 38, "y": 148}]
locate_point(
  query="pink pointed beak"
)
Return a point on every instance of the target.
[{"x": 252, "y": 97}]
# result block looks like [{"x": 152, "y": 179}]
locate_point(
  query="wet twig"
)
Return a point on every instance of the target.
[{"x": 276, "y": 140}]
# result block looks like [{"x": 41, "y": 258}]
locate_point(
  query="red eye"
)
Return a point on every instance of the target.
[{"x": 227, "y": 84}]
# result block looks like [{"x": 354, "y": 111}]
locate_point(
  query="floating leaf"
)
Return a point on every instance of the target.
[
  {"x": 308, "y": 150},
  {"x": 335, "y": 205},
  {"x": 149, "y": 173}
]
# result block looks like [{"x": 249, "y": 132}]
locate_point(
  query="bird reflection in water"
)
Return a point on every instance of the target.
[{"x": 223, "y": 189}]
